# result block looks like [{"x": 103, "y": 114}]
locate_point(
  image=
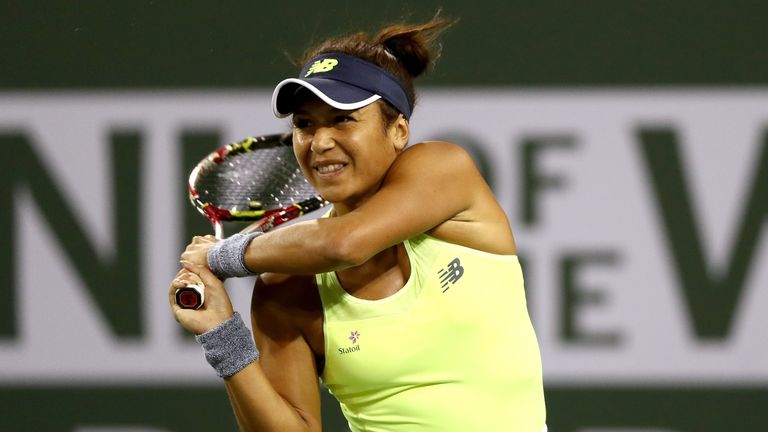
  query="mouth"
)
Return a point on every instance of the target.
[{"x": 327, "y": 169}]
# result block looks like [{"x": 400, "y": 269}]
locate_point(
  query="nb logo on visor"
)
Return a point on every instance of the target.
[{"x": 324, "y": 65}]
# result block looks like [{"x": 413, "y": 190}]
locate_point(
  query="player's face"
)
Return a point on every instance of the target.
[{"x": 345, "y": 154}]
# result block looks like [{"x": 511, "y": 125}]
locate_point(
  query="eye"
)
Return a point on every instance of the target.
[
  {"x": 300, "y": 123},
  {"x": 342, "y": 119}
]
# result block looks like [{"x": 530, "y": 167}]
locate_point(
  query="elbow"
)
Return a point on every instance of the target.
[{"x": 346, "y": 250}]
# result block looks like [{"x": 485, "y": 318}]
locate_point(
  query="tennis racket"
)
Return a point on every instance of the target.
[{"x": 254, "y": 180}]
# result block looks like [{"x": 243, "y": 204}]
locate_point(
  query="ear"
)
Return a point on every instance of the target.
[{"x": 400, "y": 132}]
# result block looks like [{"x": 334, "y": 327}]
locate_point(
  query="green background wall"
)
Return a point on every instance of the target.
[{"x": 147, "y": 44}]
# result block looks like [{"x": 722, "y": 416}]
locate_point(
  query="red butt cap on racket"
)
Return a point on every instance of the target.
[{"x": 190, "y": 297}]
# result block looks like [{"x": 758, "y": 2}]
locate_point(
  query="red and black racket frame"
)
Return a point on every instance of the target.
[{"x": 192, "y": 297}]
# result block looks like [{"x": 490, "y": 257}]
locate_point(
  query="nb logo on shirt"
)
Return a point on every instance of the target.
[
  {"x": 324, "y": 65},
  {"x": 450, "y": 274}
]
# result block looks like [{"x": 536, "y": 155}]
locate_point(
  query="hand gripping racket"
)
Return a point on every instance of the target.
[{"x": 257, "y": 179}]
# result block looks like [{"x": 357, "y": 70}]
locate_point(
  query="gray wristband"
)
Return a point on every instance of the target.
[
  {"x": 226, "y": 258},
  {"x": 229, "y": 347}
]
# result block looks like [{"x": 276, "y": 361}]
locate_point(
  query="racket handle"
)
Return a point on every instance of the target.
[{"x": 190, "y": 297}]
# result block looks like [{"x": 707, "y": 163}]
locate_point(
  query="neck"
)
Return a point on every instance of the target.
[{"x": 347, "y": 206}]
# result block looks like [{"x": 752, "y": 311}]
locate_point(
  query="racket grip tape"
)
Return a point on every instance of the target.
[{"x": 190, "y": 297}]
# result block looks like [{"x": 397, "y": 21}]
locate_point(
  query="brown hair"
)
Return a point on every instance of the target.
[{"x": 404, "y": 50}]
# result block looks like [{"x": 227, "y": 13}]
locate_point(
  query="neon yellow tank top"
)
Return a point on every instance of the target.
[{"x": 453, "y": 350}]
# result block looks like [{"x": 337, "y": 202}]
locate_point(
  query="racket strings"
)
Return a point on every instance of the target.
[{"x": 268, "y": 177}]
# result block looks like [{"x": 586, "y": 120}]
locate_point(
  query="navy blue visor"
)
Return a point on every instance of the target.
[{"x": 344, "y": 82}]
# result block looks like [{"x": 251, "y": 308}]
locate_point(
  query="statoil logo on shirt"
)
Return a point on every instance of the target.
[{"x": 354, "y": 336}]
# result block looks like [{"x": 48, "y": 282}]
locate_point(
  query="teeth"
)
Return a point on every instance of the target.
[{"x": 329, "y": 168}]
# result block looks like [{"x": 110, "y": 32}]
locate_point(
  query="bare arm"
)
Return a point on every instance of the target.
[
  {"x": 432, "y": 187},
  {"x": 280, "y": 392},
  {"x": 260, "y": 407},
  {"x": 427, "y": 185},
  {"x": 286, "y": 368}
]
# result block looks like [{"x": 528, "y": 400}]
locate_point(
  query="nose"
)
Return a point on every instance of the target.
[{"x": 322, "y": 140}]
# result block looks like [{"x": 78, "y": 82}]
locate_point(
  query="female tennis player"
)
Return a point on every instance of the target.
[{"x": 407, "y": 299}]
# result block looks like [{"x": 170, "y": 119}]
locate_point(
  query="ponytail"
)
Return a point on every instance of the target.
[{"x": 414, "y": 46}]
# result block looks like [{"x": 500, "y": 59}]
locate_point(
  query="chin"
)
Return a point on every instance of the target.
[
  {"x": 339, "y": 196},
  {"x": 335, "y": 198},
  {"x": 332, "y": 194}
]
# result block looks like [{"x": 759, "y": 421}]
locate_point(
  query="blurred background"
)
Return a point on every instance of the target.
[{"x": 627, "y": 141}]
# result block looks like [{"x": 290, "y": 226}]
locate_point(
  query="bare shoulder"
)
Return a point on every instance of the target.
[
  {"x": 439, "y": 166},
  {"x": 480, "y": 222},
  {"x": 438, "y": 153},
  {"x": 438, "y": 163},
  {"x": 437, "y": 146}
]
